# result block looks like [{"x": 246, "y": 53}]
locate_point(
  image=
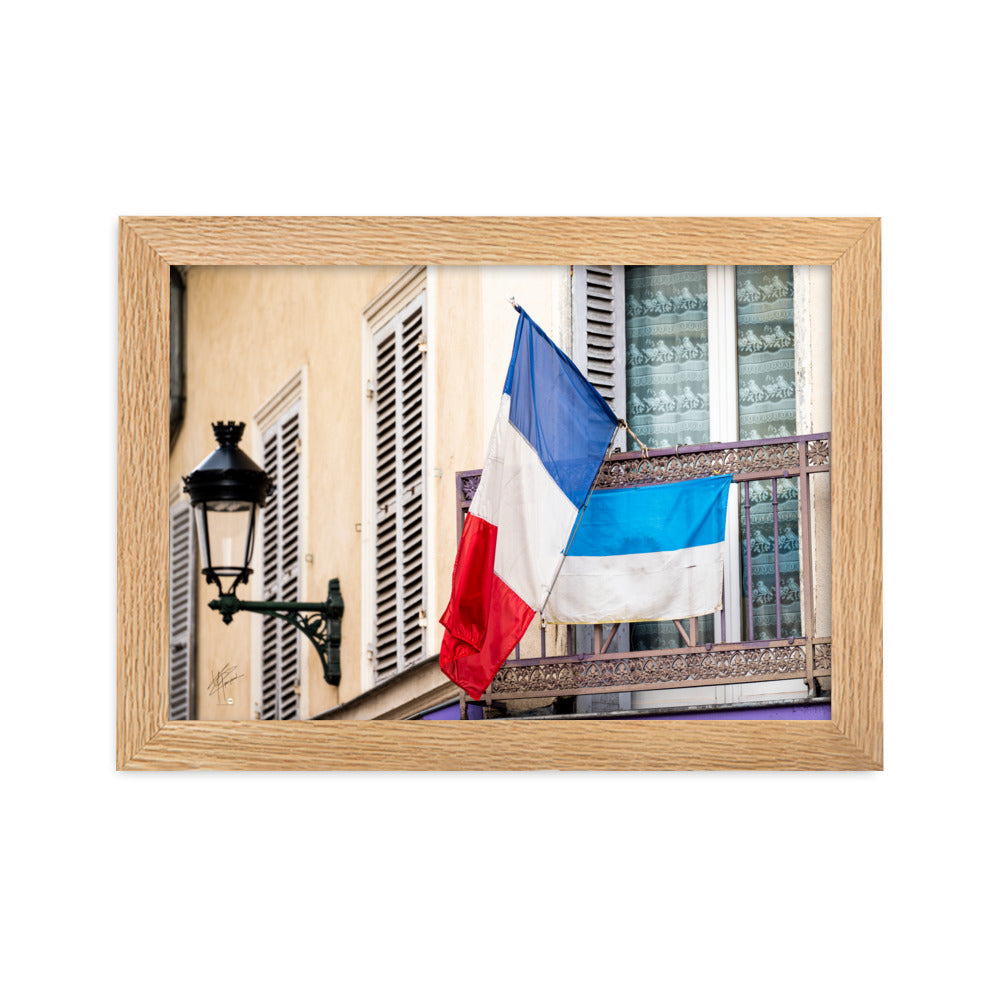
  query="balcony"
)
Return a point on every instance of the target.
[{"x": 742, "y": 650}]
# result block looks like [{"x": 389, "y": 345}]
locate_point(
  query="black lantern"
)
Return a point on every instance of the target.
[{"x": 226, "y": 490}]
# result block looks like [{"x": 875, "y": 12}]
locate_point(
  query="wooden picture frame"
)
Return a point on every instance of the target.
[{"x": 850, "y": 740}]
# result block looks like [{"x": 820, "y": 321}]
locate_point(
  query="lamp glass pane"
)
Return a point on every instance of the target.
[
  {"x": 228, "y": 529},
  {"x": 202, "y": 532}
]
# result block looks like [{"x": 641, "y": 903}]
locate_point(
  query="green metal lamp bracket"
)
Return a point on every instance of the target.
[{"x": 318, "y": 622}]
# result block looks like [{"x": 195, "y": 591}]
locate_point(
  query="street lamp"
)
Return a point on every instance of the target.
[{"x": 226, "y": 490}]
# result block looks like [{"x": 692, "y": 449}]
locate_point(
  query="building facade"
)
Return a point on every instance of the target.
[{"x": 370, "y": 392}]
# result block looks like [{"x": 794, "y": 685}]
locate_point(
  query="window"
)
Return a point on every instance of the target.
[
  {"x": 397, "y": 394},
  {"x": 183, "y": 605},
  {"x": 678, "y": 377},
  {"x": 698, "y": 354},
  {"x": 278, "y": 665},
  {"x": 766, "y": 351}
]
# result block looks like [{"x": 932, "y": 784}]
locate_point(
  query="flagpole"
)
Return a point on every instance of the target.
[
  {"x": 590, "y": 493},
  {"x": 621, "y": 423}
]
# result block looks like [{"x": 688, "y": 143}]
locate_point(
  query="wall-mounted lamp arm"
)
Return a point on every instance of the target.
[{"x": 319, "y": 622}]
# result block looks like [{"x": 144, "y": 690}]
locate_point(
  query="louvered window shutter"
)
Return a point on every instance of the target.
[
  {"x": 183, "y": 604},
  {"x": 599, "y": 352},
  {"x": 400, "y": 571},
  {"x": 386, "y": 503},
  {"x": 280, "y": 531},
  {"x": 599, "y": 331}
]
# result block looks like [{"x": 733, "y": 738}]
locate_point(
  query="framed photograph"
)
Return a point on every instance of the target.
[{"x": 354, "y": 366}]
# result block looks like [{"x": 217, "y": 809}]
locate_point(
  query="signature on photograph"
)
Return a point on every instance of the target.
[{"x": 221, "y": 682}]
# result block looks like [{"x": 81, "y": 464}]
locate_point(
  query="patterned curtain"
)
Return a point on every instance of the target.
[
  {"x": 666, "y": 382},
  {"x": 765, "y": 344},
  {"x": 666, "y": 354}
]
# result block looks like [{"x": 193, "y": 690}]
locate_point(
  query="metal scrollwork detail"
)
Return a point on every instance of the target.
[
  {"x": 642, "y": 670},
  {"x": 668, "y": 465},
  {"x": 671, "y": 467},
  {"x": 469, "y": 485},
  {"x": 818, "y": 452},
  {"x": 822, "y": 658}
]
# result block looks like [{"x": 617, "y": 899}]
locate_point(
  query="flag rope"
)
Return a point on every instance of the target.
[{"x": 622, "y": 422}]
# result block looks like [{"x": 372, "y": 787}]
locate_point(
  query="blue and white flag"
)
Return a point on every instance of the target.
[{"x": 646, "y": 553}]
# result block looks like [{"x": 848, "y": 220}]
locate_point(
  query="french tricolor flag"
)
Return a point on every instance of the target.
[{"x": 549, "y": 440}]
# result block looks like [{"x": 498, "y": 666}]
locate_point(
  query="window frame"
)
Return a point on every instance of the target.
[
  {"x": 286, "y": 402},
  {"x": 183, "y": 569},
  {"x": 723, "y": 414},
  {"x": 382, "y": 318}
]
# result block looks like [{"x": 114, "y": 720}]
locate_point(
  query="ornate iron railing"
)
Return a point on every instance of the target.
[{"x": 735, "y": 659}]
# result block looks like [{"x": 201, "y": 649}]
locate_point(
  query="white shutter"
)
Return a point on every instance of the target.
[
  {"x": 599, "y": 331},
  {"x": 400, "y": 419},
  {"x": 280, "y": 557},
  {"x": 183, "y": 604},
  {"x": 411, "y": 461},
  {"x": 386, "y": 502},
  {"x": 599, "y": 352}
]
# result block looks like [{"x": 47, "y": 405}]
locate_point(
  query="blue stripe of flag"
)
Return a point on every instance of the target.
[
  {"x": 563, "y": 417},
  {"x": 659, "y": 518}
]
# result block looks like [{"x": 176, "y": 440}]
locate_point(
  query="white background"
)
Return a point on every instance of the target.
[{"x": 132, "y": 885}]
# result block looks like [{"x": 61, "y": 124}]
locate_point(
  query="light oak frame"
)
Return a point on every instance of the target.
[{"x": 851, "y": 740}]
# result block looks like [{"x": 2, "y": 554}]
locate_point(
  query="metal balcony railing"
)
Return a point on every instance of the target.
[{"x": 742, "y": 654}]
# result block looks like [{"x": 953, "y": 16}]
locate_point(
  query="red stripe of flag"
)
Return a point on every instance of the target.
[{"x": 484, "y": 619}]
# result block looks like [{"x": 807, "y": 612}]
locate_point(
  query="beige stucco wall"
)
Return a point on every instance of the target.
[{"x": 248, "y": 331}]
